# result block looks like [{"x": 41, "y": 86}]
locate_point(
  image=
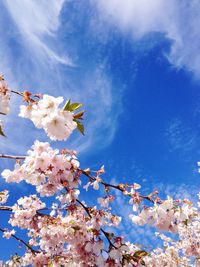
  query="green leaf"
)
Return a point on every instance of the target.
[
  {"x": 80, "y": 126},
  {"x": 1, "y": 131},
  {"x": 75, "y": 106},
  {"x": 67, "y": 105},
  {"x": 71, "y": 106}
]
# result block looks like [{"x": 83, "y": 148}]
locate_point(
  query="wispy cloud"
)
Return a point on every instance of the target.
[
  {"x": 177, "y": 19},
  {"x": 37, "y": 23},
  {"x": 180, "y": 137},
  {"x": 179, "y": 191},
  {"x": 40, "y": 53}
]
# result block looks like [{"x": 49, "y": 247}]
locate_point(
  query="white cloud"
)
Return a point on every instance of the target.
[
  {"x": 96, "y": 93},
  {"x": 37, "y": 22},
  {"x": 179, "y": 20}
]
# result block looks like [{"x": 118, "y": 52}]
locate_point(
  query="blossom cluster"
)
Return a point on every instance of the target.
[
  {"x": 71, "y": 234},
  {"x": 179, "y": 217},
  {"x": 46, "y": 169},
  {"x": 167, "y": 215},
  {"x": 24, "y": 211},
  {"x": 58, "y": 237},
  {"x": 46, "y": 113},
  {"x": 183, "y": 252}
]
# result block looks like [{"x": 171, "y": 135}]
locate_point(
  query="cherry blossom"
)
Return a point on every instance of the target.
[
  {"x": 65, "y": 231},
  {"x": 4, "y": 196},
  {"x": 7, "y": 234},
  {"x": 46, "y": 114},
  {"x": 46, "y": 169},
  {"x": 4, "y": 97}
]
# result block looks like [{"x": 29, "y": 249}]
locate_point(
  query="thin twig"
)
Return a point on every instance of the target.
[
  {"x": 11, "y": 156},
  {"x": 101, "y": 182},
  {"x": 16, "y": 92},
  {"x": 85, "y": 208},
  {"x": 107, "y": 237},
  {"x": 21, "y": 241},
  {"x": 89, "y": 214},
  {"x": 6, "y": 208},
  {"x": 91, "y": 178}
]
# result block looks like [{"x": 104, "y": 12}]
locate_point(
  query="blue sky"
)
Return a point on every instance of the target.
[{"x": 136, "y": 67}]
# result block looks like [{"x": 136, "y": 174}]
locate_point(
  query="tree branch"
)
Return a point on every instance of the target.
[
  {"x": 21, "y": 241},
  {"x": 11, "y": 156},
  {"x": 92, "y": 179},
  {"x": 6, "y": 208}
]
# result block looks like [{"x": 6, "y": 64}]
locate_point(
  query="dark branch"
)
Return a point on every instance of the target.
[{"x": 21, "y": 241}]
